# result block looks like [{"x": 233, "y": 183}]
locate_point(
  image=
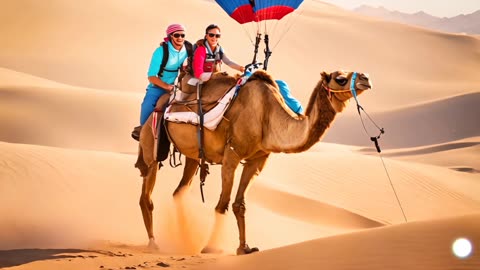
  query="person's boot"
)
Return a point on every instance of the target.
[{"x": 136, "y": 133}]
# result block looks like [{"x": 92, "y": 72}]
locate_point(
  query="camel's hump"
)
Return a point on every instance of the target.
[{"x": 263, "y": 76}]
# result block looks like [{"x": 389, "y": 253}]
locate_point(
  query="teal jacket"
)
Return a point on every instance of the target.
[
  {"x": 175, "y": 61},
  {"x": 291, "y": 102}
]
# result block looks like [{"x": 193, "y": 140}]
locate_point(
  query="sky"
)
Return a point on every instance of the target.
[{"x": 439, "y": 8}]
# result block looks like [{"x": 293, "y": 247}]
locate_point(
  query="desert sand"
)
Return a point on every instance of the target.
[{"x": 72, "y": 77}]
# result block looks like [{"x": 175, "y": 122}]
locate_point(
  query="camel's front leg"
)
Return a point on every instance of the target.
[
  {"x": 251, "y": 169},
  {"x": 146, "y": 203},
  {"x": 229, "y": 164},
  {"x": 186, "y": 233}
]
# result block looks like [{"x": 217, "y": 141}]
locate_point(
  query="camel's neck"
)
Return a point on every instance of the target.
[{"x": 293, "y": 135}]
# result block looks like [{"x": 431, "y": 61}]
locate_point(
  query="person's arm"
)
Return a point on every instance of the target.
[
  {"x": 198, "y": 60},
  {"x": 158, "y": 82},
  {"x": 154, "y": 68},
  {"x": 291, "y": 101},
  {"x": 232, "y": 64}
]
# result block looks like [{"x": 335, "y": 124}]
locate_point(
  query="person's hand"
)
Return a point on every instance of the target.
[
  {"x": 242, "y": 69},
  {"x": 253, "y": 66},
  {"x": 205, "y": 76}
]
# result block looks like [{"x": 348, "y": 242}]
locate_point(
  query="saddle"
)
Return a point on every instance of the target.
[{"x": 216, "y": 96}]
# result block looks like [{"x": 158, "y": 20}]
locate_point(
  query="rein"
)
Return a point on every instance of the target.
[{"x": 374, "y": 139}]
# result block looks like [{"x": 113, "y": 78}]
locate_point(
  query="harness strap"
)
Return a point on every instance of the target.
[
  {"x": 359, "y": 107},
  {"x": 267, "y": 52},
  {"x": 201, "y": 154},
  {"x": 173, "y": 158}
]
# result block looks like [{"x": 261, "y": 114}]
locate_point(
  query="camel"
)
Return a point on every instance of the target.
[{"x": 257, "y": 123}]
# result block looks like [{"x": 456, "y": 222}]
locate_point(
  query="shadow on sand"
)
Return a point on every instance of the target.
[{"x": 15, "y": 257}]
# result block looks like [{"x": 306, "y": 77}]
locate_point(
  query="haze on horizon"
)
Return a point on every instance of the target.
[{"x": 439, "y": 8}]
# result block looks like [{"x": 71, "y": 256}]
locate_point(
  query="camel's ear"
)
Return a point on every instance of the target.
[{"x": 325, "y": 76}]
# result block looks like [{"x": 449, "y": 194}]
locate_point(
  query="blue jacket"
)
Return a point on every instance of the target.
[
  {"x": 175, "y": 62},
  {"x": 291, "y": 102}
]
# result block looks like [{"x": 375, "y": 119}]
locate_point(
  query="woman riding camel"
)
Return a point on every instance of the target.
[{"x": 209, "y": 55}]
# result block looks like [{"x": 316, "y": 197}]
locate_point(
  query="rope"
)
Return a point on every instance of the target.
[
  {"x": 375, "y": 141},
  {"x": 391, "y": 184}
]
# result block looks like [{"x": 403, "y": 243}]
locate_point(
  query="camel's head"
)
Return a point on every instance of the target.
[{"x": 343, "y": 85}]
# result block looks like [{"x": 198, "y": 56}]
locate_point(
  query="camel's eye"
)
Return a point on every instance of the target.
[{"x": 342, "y": 80}]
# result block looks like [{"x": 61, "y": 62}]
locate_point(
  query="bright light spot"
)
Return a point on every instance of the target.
[{"x": 462, "y": 247}]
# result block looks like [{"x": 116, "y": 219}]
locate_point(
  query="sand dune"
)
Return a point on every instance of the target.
[
  {"x": 434, "y": 122},
  {"x": 10, "y": 78},
  {"x": 64, "y": 40},
  {"x": 65, "y": 177},
  {"x": 39, "y": 111},
  {"x": 458, "y": 155},
  {"x": 74, "y": 117},
  {"x": 418, "y": 245},
  {"x": 324, "y": 214},
  {"x": 328, "y": 199},
  {"x": 342, "y": 180},
  {"x": 436, "y": 148}
]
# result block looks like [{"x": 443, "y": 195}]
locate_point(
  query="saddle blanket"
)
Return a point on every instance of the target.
[{"x": 211, "y": 119}]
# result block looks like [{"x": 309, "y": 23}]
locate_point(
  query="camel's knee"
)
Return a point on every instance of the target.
[
  {"x": 180, "y": 191},
  {"x": 239, "y": 209},
  {"x": 146, "y": 203},
  {"x": 140, "y": 164},
  {"x": 222, "y": 207},
  {"x": 142, "y": 167}
]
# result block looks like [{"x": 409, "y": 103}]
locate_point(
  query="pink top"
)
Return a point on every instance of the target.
[{"x": 198, "y": 60}]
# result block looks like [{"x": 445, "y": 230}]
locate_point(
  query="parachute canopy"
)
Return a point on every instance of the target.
[{"x": 244, "y": 11}]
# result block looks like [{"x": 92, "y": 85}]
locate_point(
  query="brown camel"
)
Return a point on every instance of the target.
[{"x": 257, "y": 124}]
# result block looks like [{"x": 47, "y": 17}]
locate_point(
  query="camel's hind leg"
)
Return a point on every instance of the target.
[
  {"x": 191, "y": 166},
  {"x": 251, "y": 169},
  {"x": 148, "y": 168}
]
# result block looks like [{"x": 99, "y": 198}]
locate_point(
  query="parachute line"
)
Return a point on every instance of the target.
[
  {"x": 256, "y": 18},
  {"x": 291, "y": 19}
]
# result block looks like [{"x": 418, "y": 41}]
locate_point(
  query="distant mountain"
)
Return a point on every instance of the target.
[{"x": 469, "y": 24}]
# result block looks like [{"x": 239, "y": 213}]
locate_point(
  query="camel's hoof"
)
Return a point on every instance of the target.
[
  {"x": 152, "y": 245},
  {"x": 246, "y": 250},
  {"x": 212, "y": 250}
]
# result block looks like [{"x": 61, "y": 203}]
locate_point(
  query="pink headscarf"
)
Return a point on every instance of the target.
[{"x": 172, "y": 28}]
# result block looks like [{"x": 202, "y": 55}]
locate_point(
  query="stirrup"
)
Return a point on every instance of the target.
[{"x": 136, "y": 133}]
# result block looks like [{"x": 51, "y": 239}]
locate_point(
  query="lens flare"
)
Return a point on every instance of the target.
[{"x": 462, "y": 248}]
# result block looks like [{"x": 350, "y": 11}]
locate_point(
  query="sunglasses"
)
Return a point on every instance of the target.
[
  {"x": 177, "y": 35},
  {"x": 214, "y": 35}
]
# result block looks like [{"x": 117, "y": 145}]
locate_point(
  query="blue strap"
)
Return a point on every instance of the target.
[
  {"x": 352, "y": 85},
  {"x": 354, "y": 92}
]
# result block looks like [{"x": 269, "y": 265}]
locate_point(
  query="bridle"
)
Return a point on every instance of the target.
[
  {"x": 352, "y": 88},
  {"x": 374, "y": 139}
]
